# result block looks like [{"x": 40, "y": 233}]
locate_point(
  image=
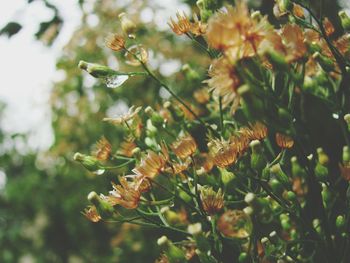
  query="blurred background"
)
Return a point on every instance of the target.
[{"x": 49, "y": 110}]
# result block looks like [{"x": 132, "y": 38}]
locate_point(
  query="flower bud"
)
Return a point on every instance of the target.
[
  {"x": 103, "y": 207},
  {"x": 285, "y": 5},
  {"x": 243, "y": 257},
  {"x": 321, "y": 172},
  {"x": 226, "y": 176},
  {"x": 96, "y": 70},
  {"x": 277, "y": 60},
  {"x": 340, "y": 222},
  {"x": 89, "y": 162},
  {"x": 347, "y": 120},
  {"x": 280, "y": 175},
  {"x": 345, "y": 20},
  {"x": 346, "y": 155},
  {"x": 326, "y": 63},
  {"x": 173, "y": 253},
  {"x": 190, "y": 73},
  {"x": 257, "y": 159},
  {"x": 128, "y": 26},
  {"x": 297, "y": 170},
  {"x": 322, "y": 157}
]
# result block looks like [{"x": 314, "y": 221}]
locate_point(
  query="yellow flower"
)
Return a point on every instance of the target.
[
  {"x": 115, "y": 42},
  {"x": 124, "y": 194},
  {"x": 184, "y": 147},
  {"x": 328, "y": 26},
  {"x": 103, "y": 149},
  {"x": 224, "y": 82},
  {"x": 284, "y": 141},
  {"x": 182, "y": 26},
  {"x": 132, "y": 112},
  {"x": 212, "y": 201},
  {"x": 201, "y": 96},
  {"x": 150, "y": 166},
  {"x": 198, "y": 28},
  {"x": 91, "y": 213}
]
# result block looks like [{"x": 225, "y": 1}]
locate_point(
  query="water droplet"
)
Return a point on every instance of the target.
[
  {"x": 140, "y": 52},
  {"x": 99, "y": 171},
  {"x": 115, "y": 81},
  {"x": 335, "y": 116}
]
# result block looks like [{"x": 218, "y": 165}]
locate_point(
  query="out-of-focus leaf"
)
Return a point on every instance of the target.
[
  {"x": 48, "y": 31},
  {"x": 11, "y": 29}
]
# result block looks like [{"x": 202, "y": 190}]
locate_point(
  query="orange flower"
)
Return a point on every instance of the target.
[
  {"x": 201, "y": 95},
  {"x": 150, "y": 166},
  {"x": 212, "y": 201},
  {"x": 298, "y": 11},
  {"x": 182, "y": 26},
  {"x": 293, "y": 38},
  {"x": 284, "y": 141},
  {"x": 115, "y": 42},
  {"x": 204, "y": 163},
  {"x": 224, "y": 82},
  {"x": 127, "y": 146},
  {"x": 328, "y": 26},
  {"x": 258, "y": 131},
  {"x": 223, "y": 153},
  {"x": 184, "y": 147},
  {"x": 91, "y": 213},
  {"x": 236, "y": 32},
  {"x": 124, "y": 195},
  {"x": 103, "y": 149}
]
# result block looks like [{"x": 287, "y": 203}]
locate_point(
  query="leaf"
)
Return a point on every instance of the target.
[{"x": 11, "y": 29}]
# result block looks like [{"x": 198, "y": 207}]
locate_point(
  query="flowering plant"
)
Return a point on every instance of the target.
[{"x": 236, "y": 170}]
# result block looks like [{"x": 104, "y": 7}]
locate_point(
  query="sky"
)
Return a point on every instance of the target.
[{"x": 28, "y": 68}]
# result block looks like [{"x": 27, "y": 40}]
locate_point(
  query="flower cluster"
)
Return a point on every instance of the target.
[{"x": 237, "y": 170}]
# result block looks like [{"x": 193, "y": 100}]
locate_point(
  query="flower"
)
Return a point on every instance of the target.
[
  {"x": 115, "y": 42},
  {"x": 91, "y": 213},
  {"x": 150, "y": 166},
  {"x": 235, "y": 224},
  {"x": 127, "y": 146},
  {"x": 184, "y": 147},
  {"x": 103, "y": 149},
  {"x": 201, "y": 96},
  {"x": 284, "y": 141},
  {"x": 124, "y": 194},
  {"x": 212, "y": 201},
  {"x": 258, "y": 131},
  {"x": 328, "y": 27},
  {"x": 204, "y": 163},
  {"x": 293, "y": 38},
  {"x": 198, "y": 27},
  {"x": 223, "y": 153},
  {"x": 132, "y": 112},
  {"x": 182, "y": 26},
  {"x": 298, "y": 11},
  {"x": 224, "y": 82},
  {"x": 236, "y": 32}
]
